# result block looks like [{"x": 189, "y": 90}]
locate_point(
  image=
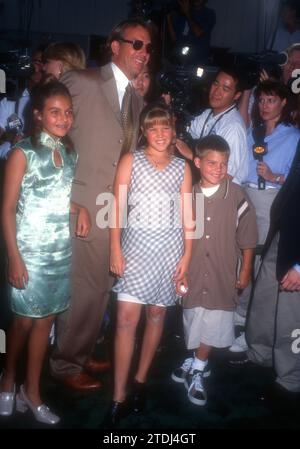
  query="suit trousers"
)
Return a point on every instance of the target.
[
  {"x": 273, "y": 325},
  {"x": 262, "y": 201},
  {"x": 78, "y": 328}
]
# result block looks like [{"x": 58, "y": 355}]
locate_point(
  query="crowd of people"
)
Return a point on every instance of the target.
[{"x": 101, "y": 154}]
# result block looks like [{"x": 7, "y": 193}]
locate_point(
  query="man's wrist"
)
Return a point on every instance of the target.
[{"x": 297, "y": 268}]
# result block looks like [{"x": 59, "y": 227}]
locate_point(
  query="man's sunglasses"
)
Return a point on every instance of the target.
[{"x": 137, "y": 44}]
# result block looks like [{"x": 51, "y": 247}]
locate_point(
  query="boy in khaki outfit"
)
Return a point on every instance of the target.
[{"x": 230, "y": 234}]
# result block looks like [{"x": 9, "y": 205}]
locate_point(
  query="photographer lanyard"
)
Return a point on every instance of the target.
[{"x": 214, "y": 125}]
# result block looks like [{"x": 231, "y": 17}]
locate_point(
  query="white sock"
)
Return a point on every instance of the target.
[{"x": 199, "y": 364}]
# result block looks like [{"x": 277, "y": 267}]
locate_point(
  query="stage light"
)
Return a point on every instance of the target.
[
  {"x": 185, "y": 51},
  {"x": 200, "y": 72}
]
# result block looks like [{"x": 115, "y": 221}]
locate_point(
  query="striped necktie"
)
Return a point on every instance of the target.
[{"x": 127, "y": 120}]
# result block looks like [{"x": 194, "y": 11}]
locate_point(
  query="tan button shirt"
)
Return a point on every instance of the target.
[{"x": 229, "y": 227}]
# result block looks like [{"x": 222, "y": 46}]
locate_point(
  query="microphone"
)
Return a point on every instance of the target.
[
  {"x": 14, "y": 125},
  {"x": 259, "y": 151}
]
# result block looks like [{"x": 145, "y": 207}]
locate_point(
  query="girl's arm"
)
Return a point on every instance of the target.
[
  {"x": 121, "y": 185},
  {"x": 83, "y": 224},
  {"x": 180, "y": 276},
  {"x": 14, "y": 173}
]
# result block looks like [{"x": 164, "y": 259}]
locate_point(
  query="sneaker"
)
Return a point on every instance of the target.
[
  {"x": 239, "y": 344},
  {"x": 196, "y": 392},
  {"x": 189, "y": 377},
  {"x": 179, "y": 374}
]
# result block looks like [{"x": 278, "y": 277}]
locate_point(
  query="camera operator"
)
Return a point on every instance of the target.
[
  {"x": 288, "y": 31},
  {"x": 223, "y": 119},
  {"x": 190, "y": 24},
  {"x": 271, "y": 112},
  {"x": 286, "y": 76},
  {"x": 14, "y": 108}
]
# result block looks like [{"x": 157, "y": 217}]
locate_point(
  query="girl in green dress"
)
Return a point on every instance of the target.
[{"x": 35, "y": 219}]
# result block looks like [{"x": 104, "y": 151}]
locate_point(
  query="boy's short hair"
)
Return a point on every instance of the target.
[{"x": 211, "y": 143}]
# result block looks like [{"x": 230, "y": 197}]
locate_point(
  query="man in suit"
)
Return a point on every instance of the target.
[
  {"x": 100, "y": 138},
  {"x": 273, "y": 327}
]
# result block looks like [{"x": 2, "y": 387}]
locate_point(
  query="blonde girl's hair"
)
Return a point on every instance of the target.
[
  {"x": 156, "y": 113},
  {"x": 69, "y": 53}
]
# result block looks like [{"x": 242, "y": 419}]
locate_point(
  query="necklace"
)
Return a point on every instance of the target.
[{"x": 156, "y": 163}]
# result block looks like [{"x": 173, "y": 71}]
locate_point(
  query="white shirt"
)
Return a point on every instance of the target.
[
  {"x": 7, "y": 107},
  {"x": 284, "y": 39},
  {"x": 121, "y": 81},
  {"x": 4, "y": 149},
  {"x": 209, "y": 191},
  {"x": 232, "y": 128}
]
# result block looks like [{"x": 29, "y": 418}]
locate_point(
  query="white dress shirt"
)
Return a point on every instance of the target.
[
  {"x": 229, "y": 125},
  {"x": 121, "y": 81}
]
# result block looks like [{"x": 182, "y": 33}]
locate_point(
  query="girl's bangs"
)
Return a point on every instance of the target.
[{"x": 158, "y": 119}]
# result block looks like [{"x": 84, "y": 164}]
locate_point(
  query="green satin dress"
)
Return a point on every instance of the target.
[{"x": 43, "y": 235}]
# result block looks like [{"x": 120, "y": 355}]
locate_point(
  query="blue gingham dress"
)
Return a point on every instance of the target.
[{"x": 152, "y": 239}]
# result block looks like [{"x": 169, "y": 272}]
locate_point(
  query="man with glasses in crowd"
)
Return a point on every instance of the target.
[
  {"x": 106, "y": 112},
  {"x": 223, "y": 118}
]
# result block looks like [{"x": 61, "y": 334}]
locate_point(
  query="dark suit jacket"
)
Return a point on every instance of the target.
[
  {"x": 96, "y": 133},
  {"x": 285, "y": 218}
]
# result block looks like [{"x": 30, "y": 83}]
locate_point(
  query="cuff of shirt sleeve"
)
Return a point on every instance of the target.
[
  {"x": 4, "y": 149},
  {"x": 297, "y": 268}
]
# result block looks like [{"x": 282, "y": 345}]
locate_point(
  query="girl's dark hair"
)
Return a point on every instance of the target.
[
  {"x": 273, "y": 87},
  {"x": 41, "y": 93}
]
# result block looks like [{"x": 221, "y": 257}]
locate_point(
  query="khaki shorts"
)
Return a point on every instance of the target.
[{"x": 211, "y": 327}]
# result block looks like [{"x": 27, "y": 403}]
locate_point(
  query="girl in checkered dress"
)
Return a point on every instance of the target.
[{"x": 151, "y": 254}]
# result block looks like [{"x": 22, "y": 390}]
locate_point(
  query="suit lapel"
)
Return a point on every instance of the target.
[
  {"x": 137, "y": 105},
  {"x": 109, "y": 89}
]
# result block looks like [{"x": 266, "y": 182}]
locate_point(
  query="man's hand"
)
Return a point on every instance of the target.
[
  {"x": 291, "y": 281},
  {"x": 83, "y": 225}
]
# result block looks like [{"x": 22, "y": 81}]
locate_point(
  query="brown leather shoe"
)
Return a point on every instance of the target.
[
  {"x": 82, "y": 382},
  {"x": 97, "y": 366}
]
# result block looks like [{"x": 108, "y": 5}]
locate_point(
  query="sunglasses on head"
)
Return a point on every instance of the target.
[{"x": 137, "y": 44}]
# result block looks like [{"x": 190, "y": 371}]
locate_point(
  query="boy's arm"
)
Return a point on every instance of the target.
[
  {"x": 246, "y": 237},
  {"x": 246, "y": 268}
]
